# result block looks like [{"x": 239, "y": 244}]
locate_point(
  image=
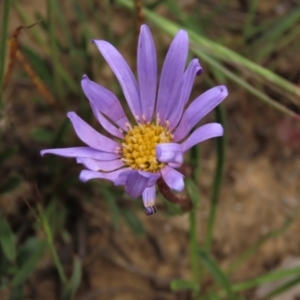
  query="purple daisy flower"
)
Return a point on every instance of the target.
[{"x": 141, "y": 153}]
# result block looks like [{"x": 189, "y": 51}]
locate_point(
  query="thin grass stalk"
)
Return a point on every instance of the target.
[
  {"x": 193, "y": 242},
  {"x": 49, "y": 236},
  {"x": 235, "y": 78},
  {"x": 278, "y": 30},
  {"x": 273, "y": 234},
  {"x": 217, "y": 182},
  {"x": 33, "y": 32},
  {"x": 218, "y": 51},
  {"x": 68, "y": 80},
  {"x": 283, "y": 288},
  {"x": 194, "y": 261},
  {"x": 51, "y": 12},
  {"x": 209, "y": 48},
  {"x": 250, "y": 19},
  {"x": 108, "y": 10},
  {"x": 3, "y": 45},
  {"x": 273, "y": 276}
]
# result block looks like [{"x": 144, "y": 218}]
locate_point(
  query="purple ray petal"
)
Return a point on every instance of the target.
[
  {"x": 169, "y": 152},
  {"x": 149, "y": 200},
  {"x": 123, "y": 73},
  {"x": 135, "y": 184},
  {"x": 96, "y": 165},
  {"x": 200, "y": 107},
  {"x": 136, "y": 181},
  {"x": 201, "y": 134},
  {"x": 174, "y": 165},
  {"x": 171, "y": 74},
  {"x": 147, "y": 71},
  {"x": 173, "y": 178},
  {"x": 105, "y": 101},
  {"x": 82, "y": 152},
  {"x": 121, "y": 179},
  {"x": 87, "y": 175},
  {"x": 151, "y": 176},
  {"x": 113, "y": 130},
  {"x": 193, "y": 69},
  {"x": 90, "y": 136}
]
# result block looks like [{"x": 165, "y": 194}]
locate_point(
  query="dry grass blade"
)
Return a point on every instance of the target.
[
  {"x": 16, "y": 54},
  {"x": 13, "y": 48}
]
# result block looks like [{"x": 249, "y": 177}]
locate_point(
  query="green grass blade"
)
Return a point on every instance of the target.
[
  {"x": 3, "y": 44},
  {"x": 182, "y": 284},
  {"x": 273, "y": 234},
  {"x": 33, "y": 32},
  {"x": 283, "y": 288},
  {"x": 112, "y": 205},
  {"x": 34, "y": 256},
  {"x": 250, "y": 18},
  {"x": 133, "y": 221},
  {"x": 279, "y": 29},
  {"x": 220, "y": 52},
  {"x": 237, "y": 79},
  {"x": 273, "y": 276},
  {"x": 74, "y": 281},
  {"x": 51, "y": 12},
  {"x": 218, "y": 176},
  {"x": 217, "y": 273},
  {"x": 10, "y": 184},
  {"x": 7, "y": 240}
]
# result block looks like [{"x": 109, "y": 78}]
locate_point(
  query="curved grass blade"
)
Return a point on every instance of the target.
[{"x": 217, "y": 273}]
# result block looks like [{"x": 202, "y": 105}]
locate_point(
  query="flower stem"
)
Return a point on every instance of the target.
[
  {"x": 193, "y": 242},
  {"x": 185, "y": 203},
  {"x": 194, "y": 257},
  {"x": 220, "y": 116},
  {"x": 49, "y": 236}
]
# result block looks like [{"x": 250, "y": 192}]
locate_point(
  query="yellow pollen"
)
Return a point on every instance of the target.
[{"x": 138, "y": 147}]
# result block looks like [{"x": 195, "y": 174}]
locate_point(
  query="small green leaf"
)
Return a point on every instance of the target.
[
  {"x": 33, "y": 250},
  {"x": 182, "y": 284},
  {"x": 7, "y": 240},
  {"x": 110, "y": 199},
  {"x": 6, "y": 154},
  {"x": 42, "y": 135},
  {"x": 60, "y": 134},
  {"x": 133, "y": 221},
  {"x": 10, "y": 184},
  {"x": 216, "y": 272}
]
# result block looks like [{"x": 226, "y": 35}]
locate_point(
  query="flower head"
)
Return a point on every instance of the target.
[{"x": 139, "y": 154}]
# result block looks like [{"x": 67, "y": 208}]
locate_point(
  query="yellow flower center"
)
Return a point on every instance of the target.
[{"x": 138, "y": 147}]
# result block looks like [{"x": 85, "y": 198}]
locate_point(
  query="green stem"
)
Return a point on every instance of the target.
[
  {"x": 51, "y": 11},
  {"x": 3, "y": 44},
  {"x": 220, "y": 117},
  {"x": 49, "y": 236},
  {"x": 193, "y": 243},
  {"x": 194, "y": 257}
]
